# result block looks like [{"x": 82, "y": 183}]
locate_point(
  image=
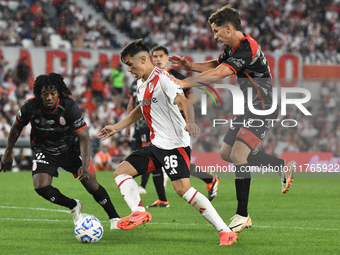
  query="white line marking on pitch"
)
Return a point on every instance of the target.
[
  {"x": 155, "y": 223},
  {"x": 33, "y": 208}
]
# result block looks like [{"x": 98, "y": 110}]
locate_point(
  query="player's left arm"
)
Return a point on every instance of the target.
[
  {"x": 110, "y": 130},
  {"x": 183, "y": 103},
  {"x": 207, "y": 77},
  {"x": 85, "y": 150}
]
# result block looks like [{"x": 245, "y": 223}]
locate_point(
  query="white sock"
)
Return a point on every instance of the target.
[
  {"x": 203, "y": 205},
  {"x": 129, "y": 189}
]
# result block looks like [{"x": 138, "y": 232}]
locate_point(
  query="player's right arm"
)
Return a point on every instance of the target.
[
  {"x": 110, "y": 130},
  {"x": 183, "y": 63},
  {"x": 14, "y": 133}
]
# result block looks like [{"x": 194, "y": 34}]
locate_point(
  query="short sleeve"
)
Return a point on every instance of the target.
[
  {"x": 25, "y": 113},
  {"x": 170, "y": 88},
  {"x": 75, "y": 117},
  {"x": 240, "y": 57}
]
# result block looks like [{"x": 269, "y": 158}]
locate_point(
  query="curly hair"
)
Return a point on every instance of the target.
[{"x": 49, "y": 81}]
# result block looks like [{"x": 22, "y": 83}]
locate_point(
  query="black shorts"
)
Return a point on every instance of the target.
[
  {"x": 44, "y": 162},
  {"x": 176, "y": 162},
  {"x": 140, "y": 138},
  {"x": 253, "y": 132}
]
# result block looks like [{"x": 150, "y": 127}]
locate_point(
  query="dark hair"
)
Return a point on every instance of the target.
[
  {"x": 49, "y": 81},
  {"x": 133, "y": 48},
  {"x": 162, "y": 48},
  {"x": 226, "y": 15}
]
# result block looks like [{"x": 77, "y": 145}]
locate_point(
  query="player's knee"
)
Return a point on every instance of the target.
[
  {"x": 225, "y": 156},
  {"x": 238, "y": 158}
]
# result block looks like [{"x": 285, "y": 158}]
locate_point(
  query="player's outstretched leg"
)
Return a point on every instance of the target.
[
  {"x": 129, "y": 189},
  {"x": 102, "y": 198},
  {"x": 242, "y": 184},
  {"x": 204, "y": 206},
  {"x": 286, "y": 175},
  {"x": 42, "y": 185},
  {"x": 287, "y": 168},
  {"x": 53, "y": 195},
  {"x": 212, "y": 181}
]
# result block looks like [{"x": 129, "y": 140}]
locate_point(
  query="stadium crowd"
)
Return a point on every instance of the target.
[
  {"x": 285, "y": 26},
  {"x": 311, "y": 28}
]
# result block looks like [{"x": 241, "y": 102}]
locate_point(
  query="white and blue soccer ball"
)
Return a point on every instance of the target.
[{"x": 88, "y": 229}]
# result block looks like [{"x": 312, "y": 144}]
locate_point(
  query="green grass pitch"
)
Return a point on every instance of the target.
[{"x": 303, "y": 221}]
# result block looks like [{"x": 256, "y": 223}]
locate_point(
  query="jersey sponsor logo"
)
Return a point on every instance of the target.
[
  {"x": 39, "y": 159},
  {"x": 79, "y": 122},
  {"x": 50, "y": 122},
  {"x": 62, "y": 121},
  {"x": 236, "y": 61},
  {"x": 148, "y": 101}
]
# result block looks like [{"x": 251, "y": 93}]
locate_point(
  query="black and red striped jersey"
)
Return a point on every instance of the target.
[
  {"x": 251, "y": 67},
  {"x": 53, "y": 132}
]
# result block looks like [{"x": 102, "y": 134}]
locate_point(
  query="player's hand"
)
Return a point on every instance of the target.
[
  {"x": 83, "y": 173},
  {"x": 192, "y": 128},
  {"x": 183, "y": 83},
  {"x": 107, "y": 131},
  {"x": 181, "y": 62},
  {"x": 6, "y": 162}
]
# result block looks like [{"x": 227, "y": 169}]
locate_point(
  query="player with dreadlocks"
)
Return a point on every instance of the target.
[{"x": 59, "y": 138}]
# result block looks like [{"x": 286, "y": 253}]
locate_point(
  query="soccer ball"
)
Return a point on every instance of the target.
[{"x": 88, "y": 229}]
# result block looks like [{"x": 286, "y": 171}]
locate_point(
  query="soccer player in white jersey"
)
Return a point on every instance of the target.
[{"x": 170, "y": 141}]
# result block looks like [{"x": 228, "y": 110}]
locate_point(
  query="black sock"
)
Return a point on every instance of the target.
[
  {"x": 53, "y": 195},
  {"x": 145, "y": 178},
  {"x": 242, "y": 185},
  {"x": 104, "y": 200},
  {"x": 258, "y": 158},
  {"x": 196, "y": 172},
  {"x": 158, "y": 180}
]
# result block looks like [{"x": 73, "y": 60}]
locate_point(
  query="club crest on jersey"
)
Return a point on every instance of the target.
[
  {"x": 151, "y": 86},
  {"x": 62, "y": 121}
]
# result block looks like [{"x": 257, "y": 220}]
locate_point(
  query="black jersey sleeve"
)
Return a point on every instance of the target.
[
  {"x": 26, "y": 111},
  {"x": 239, "y": 57},
  {"x": 74, "y": 115}
]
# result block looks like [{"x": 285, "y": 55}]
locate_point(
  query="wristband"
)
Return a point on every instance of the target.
[{"x": 190, "y": 121}]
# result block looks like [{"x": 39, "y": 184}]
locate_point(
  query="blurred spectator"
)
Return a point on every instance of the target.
[
  {"x": 23, "y": 71},
  {"x": 97, "y": 84},
  {"x": 102, "y": 159},
  {"x": 117, "y": 80},
  {"x": 24, "y": 162}
]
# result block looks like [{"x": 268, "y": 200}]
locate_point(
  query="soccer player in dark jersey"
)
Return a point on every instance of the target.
[
  {"x": 59, "y": 138},
  {"x": 242, "y": 56}
]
